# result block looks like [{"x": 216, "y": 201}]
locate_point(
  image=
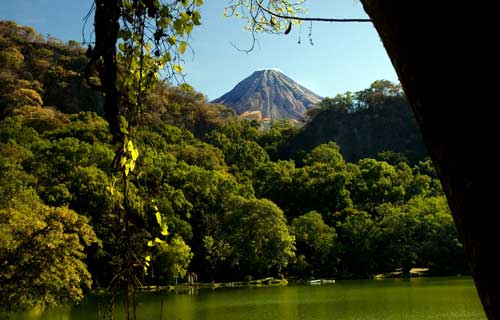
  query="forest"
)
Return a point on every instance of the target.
[{"x": 210, "y": 193}]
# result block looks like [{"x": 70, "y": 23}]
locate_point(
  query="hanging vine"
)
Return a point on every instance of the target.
[{"x": 135, "y": 40}]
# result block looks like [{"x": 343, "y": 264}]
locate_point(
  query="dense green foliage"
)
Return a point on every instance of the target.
[
  {"x": 41, "y": 246},
  {"x": 363, "y": 124},
  {"x": 35, "y": 71},
  {"x": 204, "y": 197}
]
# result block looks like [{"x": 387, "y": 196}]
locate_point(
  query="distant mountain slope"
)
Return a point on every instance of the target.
[{"x": 272, "y": 93}]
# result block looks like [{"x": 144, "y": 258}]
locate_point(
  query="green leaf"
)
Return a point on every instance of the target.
[
  {"x": 185, "y": 17},
  {"x": 196, "y": 17},
  {"x": 164, "y": 22},
  {"x": 186, "y": 87},
  {"x": 182, "y": 47},
  {"x": 166, "y": 57},
  {"x": 124, "y": 34},
  {"x": 179, "y": 27},
  {"x": 172, "y": 40},
  {"x": 164, "y": 11}
]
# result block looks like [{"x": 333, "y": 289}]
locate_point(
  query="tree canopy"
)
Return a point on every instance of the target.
[{"x": 196, "y": 178}]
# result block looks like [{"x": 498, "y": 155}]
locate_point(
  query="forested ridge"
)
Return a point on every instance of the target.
[
  {"x": 364, "y": 123},
  {"x": 204, "y": 197}
]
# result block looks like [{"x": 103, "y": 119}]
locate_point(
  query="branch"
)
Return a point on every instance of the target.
[{"x": 309, "y": 19}]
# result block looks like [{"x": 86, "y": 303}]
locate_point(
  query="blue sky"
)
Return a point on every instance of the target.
[{"x": 344, "y": 57}]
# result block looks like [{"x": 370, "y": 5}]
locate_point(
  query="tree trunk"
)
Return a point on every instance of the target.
[
  {"x": 440, "y": 55},
  {"x": 106, "y": 26}
]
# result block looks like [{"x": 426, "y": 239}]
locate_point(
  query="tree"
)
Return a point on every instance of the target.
[
  {"x": 358, "y": 235},
  {"x": 11, "y": 58},
  {"x": 328, "y": 153},
  {"x": 42, "y": 254},
  {"x": 375, "y": 182},
  {"x": 316, "y": 241},
  {"x": 171, "y": 260},
  {"x": 217, "y": 251},
  {"x": 257, "y": 232},
  {"x": 418, "y": 233}
]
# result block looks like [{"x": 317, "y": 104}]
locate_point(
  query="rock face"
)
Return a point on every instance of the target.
[{"x": 272, "y": 93}]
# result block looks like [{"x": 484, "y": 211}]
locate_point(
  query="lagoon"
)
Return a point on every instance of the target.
[{"x": 414, "y": 298}]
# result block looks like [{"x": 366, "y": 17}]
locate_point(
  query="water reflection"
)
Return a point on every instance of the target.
[{"x": 437, "y": 298}]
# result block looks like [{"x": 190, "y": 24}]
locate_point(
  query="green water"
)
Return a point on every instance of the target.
[{"x": 420, "y": 298}]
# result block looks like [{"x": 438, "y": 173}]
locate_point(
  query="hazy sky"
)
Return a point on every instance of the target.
[{"x": 344, "y": 57}]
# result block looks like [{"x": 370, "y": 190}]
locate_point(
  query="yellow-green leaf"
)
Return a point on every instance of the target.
[
  {"x": 147, "y": 258},
  {"x": 130, "y": 145},
  {"x": 123, "y": 161},
  {"x": 177, "y": 68},
  {"x": 158, "y": 218},
  {"x": 182, "y": 47},
  {"x": 158, "y": 240},
  {"x": 164, "y": 230},
  {"x": 135, "y": 154},
  {"x": 199, "y": 2},
  {"x": 150, "y": 243}
]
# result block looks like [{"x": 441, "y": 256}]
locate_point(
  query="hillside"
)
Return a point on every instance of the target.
[
  {"x": 363, "y": 125},
  {"x": 40, "y": 71}
]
